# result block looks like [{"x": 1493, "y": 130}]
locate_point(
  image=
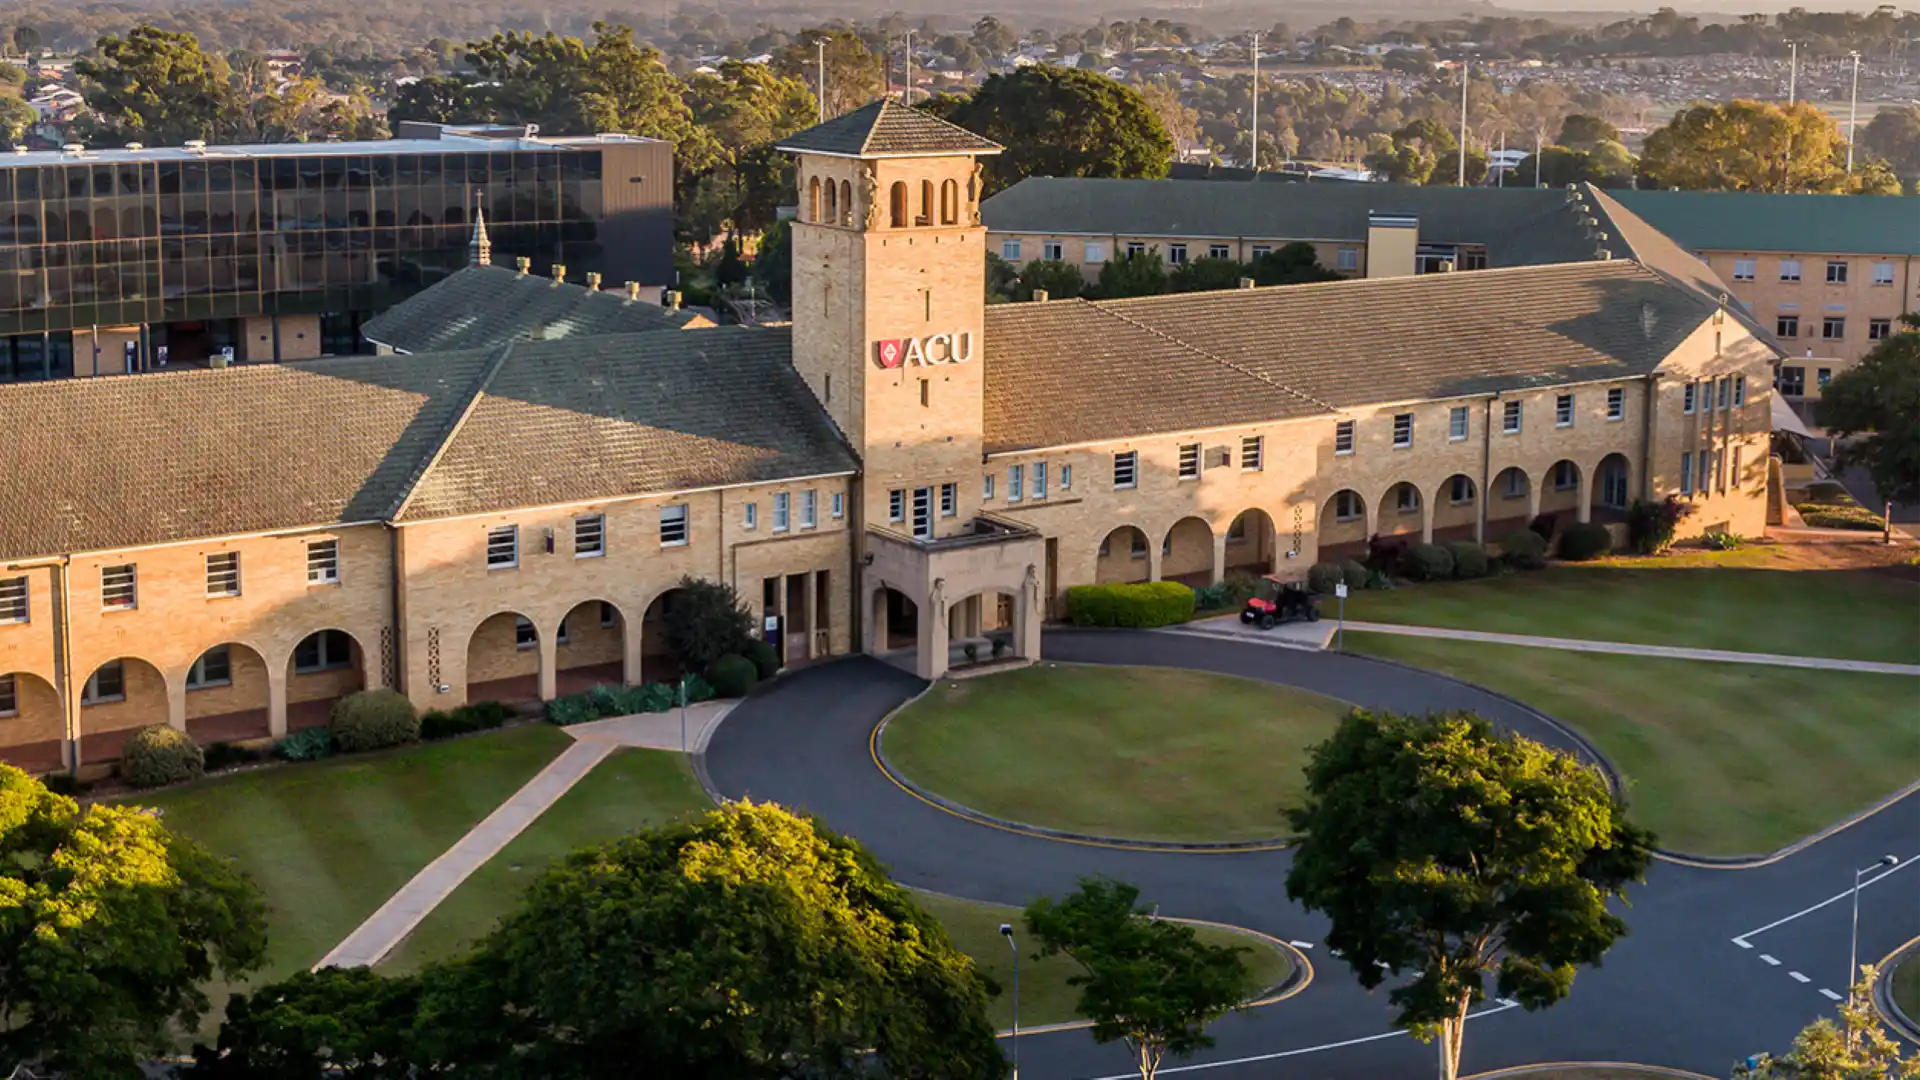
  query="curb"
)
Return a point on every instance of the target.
[
  {"x": 1634, "y": 1066},
  {"x": 1903, "y": 1025}
]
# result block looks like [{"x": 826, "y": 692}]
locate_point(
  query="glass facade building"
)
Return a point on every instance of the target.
[{"x": 159, "y": 256}]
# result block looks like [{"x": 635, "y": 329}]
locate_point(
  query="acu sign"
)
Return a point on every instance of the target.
[{"x": 924, "y": 351}]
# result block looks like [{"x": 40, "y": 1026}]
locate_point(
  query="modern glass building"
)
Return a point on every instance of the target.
[{"x": 127, "y": 260}]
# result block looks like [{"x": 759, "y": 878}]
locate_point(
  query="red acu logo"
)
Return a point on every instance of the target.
[{"x": 891, "y": 352}]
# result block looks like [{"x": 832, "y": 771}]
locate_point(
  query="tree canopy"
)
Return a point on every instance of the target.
[
  {"x": 1894, "y": 135},
  {"x": 1139, "y": 274},
  {"x": 1582, "y": 131},
  {"x": 1748, "y": 146},
  {"x": 158, "y": 87},
  {"x": 335, "y": 1022},
  {"x": 1469, "y": 859},
  {"x": 1873, "y": 411},
  {"x": 706, "y": 620},
  {"x": 1058, "y": 121},
  {"x": 855, "y": 73},
  {"x": 1856, "y": 1048}
]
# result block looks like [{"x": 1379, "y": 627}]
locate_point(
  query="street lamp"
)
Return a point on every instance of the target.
[
  {"x": 1853, "y": 109},
  {"x": 1853, "y": 953},
  {"x": 1006, "y": 931}
]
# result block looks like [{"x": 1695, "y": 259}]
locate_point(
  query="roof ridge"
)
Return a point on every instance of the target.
[
  {"x": 1221, "y": 360},
  {"x": 477, "y": 391}
]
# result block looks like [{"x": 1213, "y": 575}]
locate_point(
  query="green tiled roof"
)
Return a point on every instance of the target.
[
  {"x": 887, "y": 128},
  {"x": 1814, "y": 224}
]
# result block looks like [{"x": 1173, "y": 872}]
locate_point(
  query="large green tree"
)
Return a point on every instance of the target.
[
  {"x": 1873, "y": 412},
  {"x": 1748, "y": 146},
  {"x": 1059, "y": 280},
  {"x": 16, "y": 119},
  {"x": 109, "y": 927},
  {"x": 1894, "y": 135},
  {"x": 745, "y": 109},
  {"x": 855, "y": 73},
  {"x": 1468, "y": 859},
  {"x": 1206, "y": 275},
  {"x": 158, "y": 87},
  {"x": 1148, "y": 983},
  {"x": 1139, "y": 274},
  {"x": 1290, "y": 264},
  {"x": 1058, "y": 121},
  {"x": 335, "y": 1022},
  {"x": 746, "y": 945}
]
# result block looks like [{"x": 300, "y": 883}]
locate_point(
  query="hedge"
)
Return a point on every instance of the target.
[
  {"x": 1323, "y": 576},
  {"x": 1523, "y": 548},
  {"x": 158, "y": 755},
  {"x": 479, "y": 716},
  {"x": 1469, "y": 559},
  {"x": 307, "y": 744},
  {"x": 372, "y": 720},
  {"x": 608, "y": 700},
  {"x": 732, "y": 675},
  {"x": 1356, "y": 574},
  {"x": 1587, "y": 540},
  {"x": 1429, "y": 562},
  {"x": 1840, "y": 516},
  {"x": 766, "y": 659},
  {"x": 1155, "y": 603}
]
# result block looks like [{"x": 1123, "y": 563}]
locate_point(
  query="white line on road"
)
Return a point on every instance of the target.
[
  {"x": 1742, "y": 941},
  {"x": 1301, "y": 944},
  {"x": 1296, "y": 1053},
  {"x": 1831, "y": 996},
  {"x": 1797, "y": 977},
  {"x": 1771, "y": 962}
]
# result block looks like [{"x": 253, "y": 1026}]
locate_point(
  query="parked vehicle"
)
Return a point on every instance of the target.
[{"x": 1277, "y": 600}]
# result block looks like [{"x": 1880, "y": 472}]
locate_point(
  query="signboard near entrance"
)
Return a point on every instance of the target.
[{"x": 924, "y": 351}]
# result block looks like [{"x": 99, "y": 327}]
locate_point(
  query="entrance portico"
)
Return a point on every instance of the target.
[{"x": 949, "y": 580}]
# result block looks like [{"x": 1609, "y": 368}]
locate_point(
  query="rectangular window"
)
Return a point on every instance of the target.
[
  {"x": 1617, "y": 403},
  {"x": 1833, "y": 327},
  {"x": 1743, "y": 269},
  {"x": 1789, "y": 269},
  {"x": 1457, "y": 423},
  {"x": 1066, "y": 477},
  {"x": 986, "y": 488},
  {"x": 923, "y": 513},
  {"x": 1516, "y": 483},
  {"x": 1258, "y": 251},
  {"x": 1726, "y": 392},
  {"x": 839, "y": 506},
  {"x": 1095, "y": 252},
  {"x": 1251, "y": 452},
  {"x": 1190, "y": 461},
  {"x": 117, "y": 588},
  {"x": 1879, "y": 329},
  {"x": 589, "y": 536},
  {"x": 609, "y": 616},
  {"x": 1126, "y": 469},
  {"x": 1686, "y": 473},
  {"x": 1739, "y": 391},
  {"x": 1347, "y": 260},
  {"x": 1343, "y": 437},
  {"x": 1563, "y": 410},
  {"x": 1403, "y": 429},
  {"x": 503, "y": 547},
  {"x": 1176, "y": 254},
  {"x": 809, "y": 509},
  {"x": 1346, "y": 506},
  {"x": 1510, "y": 418},
  {"x": 1407, "y": 499},
  {"x": 1883, "y": 273},
  {"x": 107, "y": 683},
  {"x": 1040, "y": 480},
  {"x": 949, "y": 499},
  {"x": 782, "y": 510},
  {"x": 1687, "y": 395},
  {"x": 1792, "y": 381},
  {"x": 1219, "y": 251},
  {"x": 9, "y": 697},
  {"x": 1565, "y": 476},
  {"x": 214, "y": 668},
  {"x": 897, "y": 505},
  {"x": 1010, "y": 250},
  {"x": 750, "y": 517},
  {"x": 1462, "y": 489},
  {"x": 1823, "y": 376},
  {"x": 322, "y": 651},
  {"x": 323, "y": 562},
  {"x": 673, "y": 525},
  {"x": 1051, "y": 251},
  {"x": 1016, "y": 483},
  {"x": 1135, "y": 247},
  {"x": 1786, "y": 326},
  {"x": 13, "y": 600},
  {"x": 1836, "y": 272},
  {"x": 223, "y": 574},
  {"x": 525, "y": 635}
]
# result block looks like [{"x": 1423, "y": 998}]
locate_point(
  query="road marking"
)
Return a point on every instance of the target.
[
  {"x": 1831, "y": 996},
  {"x": 1301, "y": 944},
  {"x": 1771, "y": 962},
  {"x": 1742, "y": 941},
  {"x": 1797, "y": 977},
  {"x": 1295, "y": 1053}
]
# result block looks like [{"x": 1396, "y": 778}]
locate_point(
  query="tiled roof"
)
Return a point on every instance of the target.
[
  {"x": 1064, "y": 372},
  {"x": 886, "y": 128},
  {"x": 1812, "y": 224},
  {"x": 482, "y": 306}
]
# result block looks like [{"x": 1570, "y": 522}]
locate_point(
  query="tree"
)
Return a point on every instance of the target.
[
  {"x": 706, "y": 620},
  {"x": 1399, "y": 163},
  {"x": 345, "y": 1022},
  {"x": 1872, "y": 411},
  {"x": 1446, "y": 168},
  {"x": 1140, "y": 274},
  {"x": 16, "y": 119},
  {"x": 1611, "y": 164},
  {"x": 745, "y": 109},
  {"x": 1057, "y": 121},
  {"x": 855, "y": 73},
  {"x": 1873, "y": 177},
  {"x": 1894, "y": 134},
  {"x": 434, "y": 99},
  {"x": 1857, "y": 1048},
  {"x": 1441, "y": 848},
  {"x": 1003, "y": 279},
  {"x": 773, "y": 262},
  {"x": 1582, "y": 131},
  {"x": 157, "y": 87},
  {"x": 1293, "y": 263},
  {"x": 746, "y": 944},
  {"x": 113, "y": 926},
  {"x": 1151, "y": 984},
  {"x": 1060, "y": 280},
  {"x": 1748, "y": 146},
  {"x": 1206, "y": 275}
]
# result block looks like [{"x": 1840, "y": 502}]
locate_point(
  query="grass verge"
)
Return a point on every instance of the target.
[
  {"x": 1906, "y": 986},
  {"x": 1720, "y": 759},
  {"x": 1143, "y": 753}
]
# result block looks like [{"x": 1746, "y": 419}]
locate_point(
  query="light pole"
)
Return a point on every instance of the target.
[
  {"x": 1466, "y": 76},
  {"x": 1853, "y": 107},
  {"x": 820, "y": 73},
  {"x": 1853, "y": 953},
  {"x": 1793, "y": 71},
  {"x": 1255, "y": 53},
  {"x": 1006, "y": 931}
]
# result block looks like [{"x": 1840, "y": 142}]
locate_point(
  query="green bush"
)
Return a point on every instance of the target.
[
  {"x": 732, "y": 676},
  {"x": 1429, "y": 562},
  {"x": 766, "y": 659},
  {"x": 972, "y": 651},
  {"x": 1240, "y": 586},
  {"x": 1155, "y": 603},
  {"x": 1210, "y": 597},
  {"x": 157, "y": 755},
  {"x": 307, "y": 744},
  {"x": 1587, "y": 540},
  {"x": 706, "y": 620},
  {"x": 1523, "y": 549},
  {"x": 1651, "y": 525},
  {"x": 372, "y": 719},
  {"x": 225, "y": 755},
  {"x": 1721, "y": 541},
  {"x": 1355, "y": 573},
  {"x": 1323, "y": 576},
  {"x": 1469, "y": 559},
  {"x": 699, "y": 690},
  {"x": 478, "y": 716},
  {"x": 1000, "y": 642},
  {"x": 1840, "y": 516},
  {"x": 64, "y": 783}
]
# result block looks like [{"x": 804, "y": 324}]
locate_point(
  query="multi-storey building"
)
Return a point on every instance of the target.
[{"x": 901, "y": 469}]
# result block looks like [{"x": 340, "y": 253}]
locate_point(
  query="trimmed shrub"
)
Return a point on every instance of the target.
[
  {"x": 157, "y": 755},
  {"x": 1469, "y": 559},
  {"x": 1429, "y": 562},
  {"x": 1209, "y": 597},
  {"x": 766, "y": 659},
  {"x": 438, "y": 724},
  {"x": 1323, "y": 576},
  {"x": 706, "y": 621},
  {"x": 1155, "y": 603},
  {"x": 372, "y": 719},
  {"x": 1650, "y": 525},
  {"x": 1523, "y": 549},
  {"x": 1386, "y": 554},
  {"x": 225, "y": 755},
  {"x": 1840, "y": 516},
  {"x": 1542, "y": 526},
  {"x": 1240, "y": 586},
  {"x": 479, "y": 716},
  {"x": 1355, "y": 574},
  {"x": 1587, "y": 540},
  {"x": 732, "y": 676},
  {"x": 699, "y": 690},
  {"x": 307, "y": 744}
]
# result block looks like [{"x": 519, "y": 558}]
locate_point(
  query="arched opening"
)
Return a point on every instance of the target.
[
  {"x": 227, "y": 695},
  {"x": 1123, "y": 557},
  {"x": 326, "y": 666},
  {"x": 1186, "y": 553},
  {"x": 658, "y": 661},
  {"x": 895, "y": 626},
  {"x": 1400, "y": 512},
  {"x": 949, "y": 203},
  {"x": 926, "y": 203},
  {"x": 503, "y": 659},
  {"x": 119, "y": 697},
  {"x": 846, "y": 202},
  {"x": 1456, "y": 509},
  {"x": 1560, "y": 491},
  {"x": 1343, "y": 526},
  {"x": 897, "y": 208},
  {"x": 1509, "y": 502},
  {"x": 1611, "y": 489},
  {"x": 980, "y": 620},
  {"x": 33, "y": 727},
  {"x": 589, "y": 647},
  {"x": 1251, "y": 543},
  {"x": 813, "y": 200},
  {"x": 833, "y": 204}
]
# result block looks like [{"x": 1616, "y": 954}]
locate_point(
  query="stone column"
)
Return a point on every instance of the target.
[
  {"x": 815, "y": 649},
  {"x": 549, "y": 650},
  {"x": 931, "y": 660},
  {"x": 176, "y": 700},
  {"x": 631, "y": 640},
  {"x": 1533, "y": 499},
  {"x": 877, "y": 630},
  {"x": 1219, "y": 557},
  {"x": 277, "y": 700},
  {"x": 1153, "y": 559},
  {"x": 1426, "y": 518},
  {"x": 1583, "y": 512}
]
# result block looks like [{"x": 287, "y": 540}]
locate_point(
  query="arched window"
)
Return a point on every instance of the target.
[
  {"x": 949, "y": 203},
  {"x": 846, "y": 202},
  {"x": 813, "y": 200},
  {"x": 897, "y": 212},
  {"x": 833, "y": 206},
  {"x": 926, "y": 203}
]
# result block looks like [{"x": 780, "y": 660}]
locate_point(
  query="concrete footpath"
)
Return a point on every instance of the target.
[
  {"x": 373, "y": 939},
  {"x": 1622, "y": 648}
]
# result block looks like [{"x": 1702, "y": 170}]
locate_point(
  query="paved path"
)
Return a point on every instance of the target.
[{"x": 1623, "y": 648}]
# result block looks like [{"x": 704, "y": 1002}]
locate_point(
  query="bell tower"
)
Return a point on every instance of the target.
[{"x": 889, "y": 267}]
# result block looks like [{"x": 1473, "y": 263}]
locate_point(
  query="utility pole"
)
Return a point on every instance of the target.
[
  {"x": 1466, "y": 74},
  {"x": 1503, "y": 158},
  {"x": 1793, "y": 72},
  {"x": 1256, "y": 104},
  {"x": 1853, "y": 110},
  {"x": 820, "y": 69},
  {"x": 908, "y": 92},
  {"x": 1539, "y": 175}
]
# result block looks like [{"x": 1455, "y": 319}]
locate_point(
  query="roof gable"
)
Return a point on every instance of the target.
[
  {"x": 482, "y": 306},
  {"x": 886, "y": 128}
]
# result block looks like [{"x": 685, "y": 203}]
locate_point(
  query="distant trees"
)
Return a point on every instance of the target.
[
  {"x": 1057, "y": 121},
  {"x": 1894, "y": 135},
  {"x": 1145, "y": 273},
  {"x": 1748, "y": 146},
  {"x": 1582, "y": 131},
  {"x": 856, "y": 74},
  {"x": 1607, "y": 164}
]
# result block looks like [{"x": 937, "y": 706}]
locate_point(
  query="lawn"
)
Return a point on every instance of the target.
[
  {"x": 1906, "y": 986},
  {"x": 1752, "y": 599},
  {"x": 1045, "y": 997},
  {"x": 1145, "y": 753},
  {"x": 1721, "y": 759}
]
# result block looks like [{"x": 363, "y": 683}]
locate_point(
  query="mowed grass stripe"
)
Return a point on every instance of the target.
[{"x": 1721, "y": 759}]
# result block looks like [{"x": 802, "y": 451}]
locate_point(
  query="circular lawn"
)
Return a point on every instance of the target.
[{"x": 1139, "y": 753}]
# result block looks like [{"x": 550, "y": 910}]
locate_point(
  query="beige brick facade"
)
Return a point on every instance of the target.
[{"x": 1777, "y": 286}]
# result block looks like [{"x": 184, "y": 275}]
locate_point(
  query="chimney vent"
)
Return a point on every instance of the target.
[
  {"x": 136, "y": 146},
  {"x": 559, "y": 273},
  {"x": 633, "y": 291},
  {"x": 593, "y": 280},
  {"x": 1039, "y": 296},
  {"x": 1246, "y": 283},
  {"x": 524, "y": 265},
  {"x": 671, "y": 298},
  {"x": 195, "y": 146},
  {"x": 1603, "y": 254}
]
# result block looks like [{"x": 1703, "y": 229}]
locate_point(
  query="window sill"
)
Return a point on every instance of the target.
[
  {"x": 502, "y": 566},
  {"x": 1563, "y": 426},
  {"x": 1343, "y": 453},
  {"x": 323, "y": 584},
  {"x": 1189, "y": 479},
  {"x": 529, "y": 646},
  {"x": 1510, "y": 431},
  {"x": 13, "y": 622},
  {"x": 209, "y": 685},
  {"x": 114, "y": 700},
  {"x": 324, "y": 668},
  {"x": 223, "y": 596},
  {"x": 1125, "y": 487},
  {"x": 1456, "y": 438},
  {"x": 1615, "y": 419},
  {"x": 589, "y": 554},
  {"x": 1403, "y": 446},
  {"x": 8, "y": 714},
  {"x": 673, "y": 543},
  {"x": 119, "y": 608}
]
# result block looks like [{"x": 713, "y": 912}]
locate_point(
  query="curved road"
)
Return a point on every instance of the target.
[{"x": 1679, "y": 991}]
